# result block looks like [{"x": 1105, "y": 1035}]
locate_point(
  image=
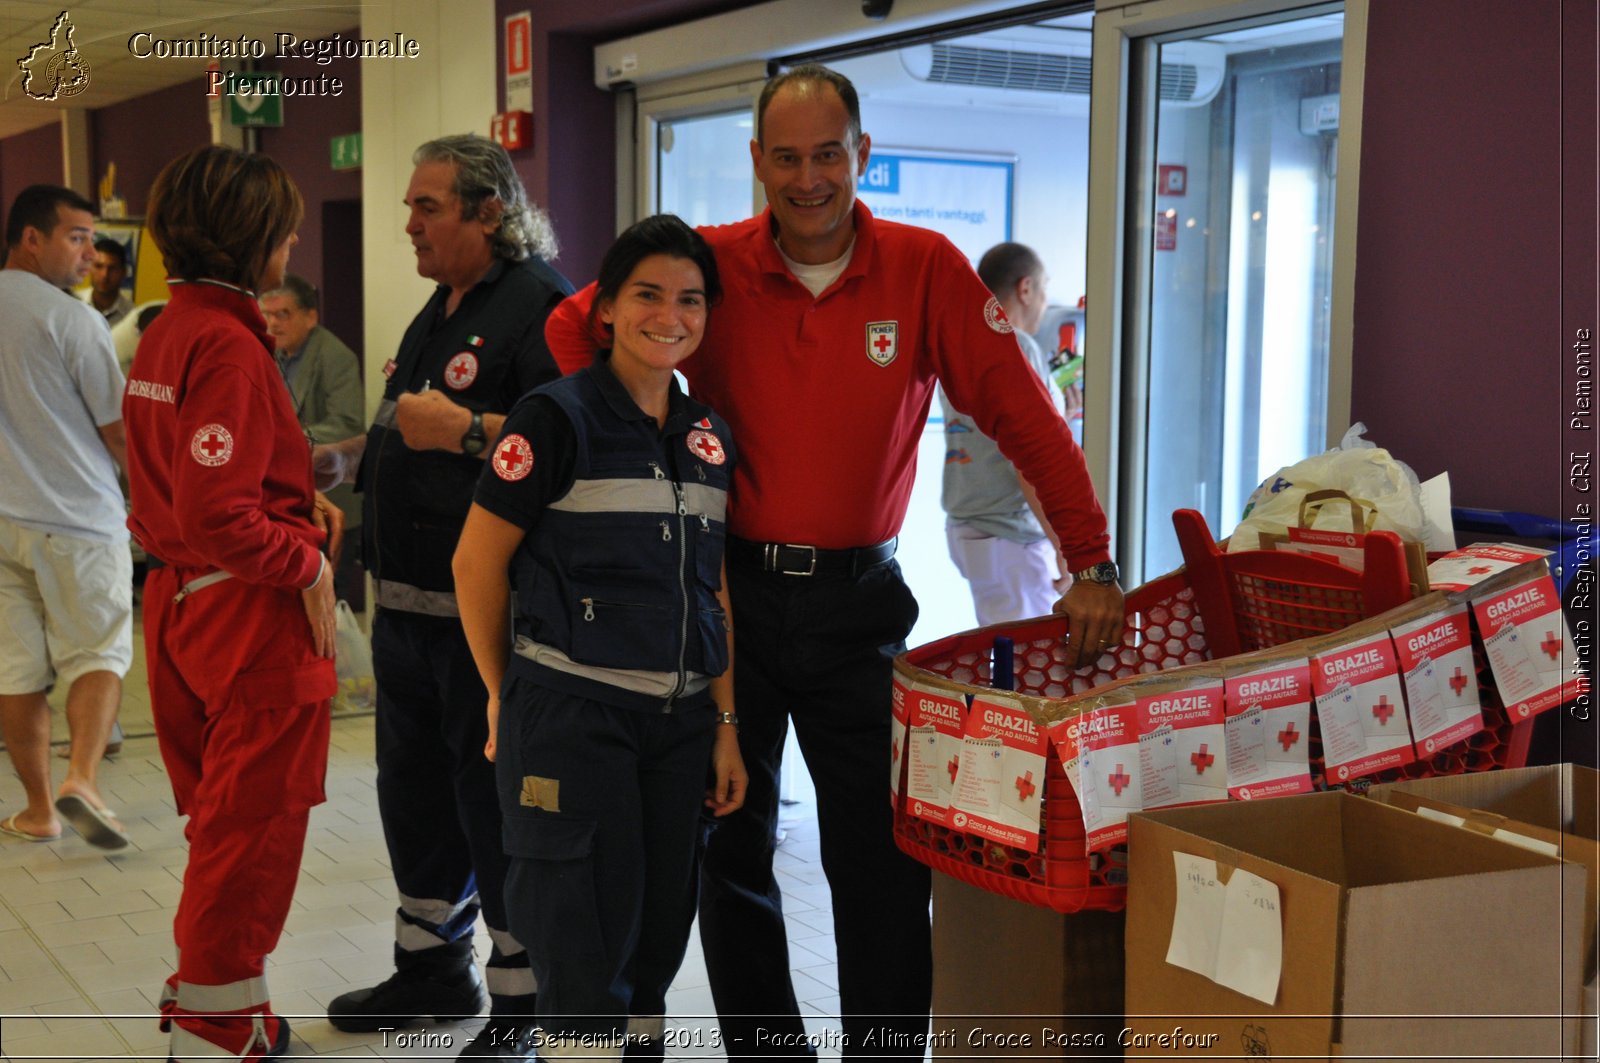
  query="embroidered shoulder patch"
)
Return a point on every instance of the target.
[
  {"x": 513, "y": 458},
  {"x": 995, "y": 317},
  {"x": 212, "y": 445}
]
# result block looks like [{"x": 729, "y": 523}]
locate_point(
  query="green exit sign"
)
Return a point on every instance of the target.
[
  {"x": 344, "y": 151},
  {"x": 255, "y": 99}
]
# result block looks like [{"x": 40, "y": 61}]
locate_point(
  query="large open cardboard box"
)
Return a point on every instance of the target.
[
  {"x": 1400, "y": 936},
  {"x": 1555, "y": 807}
]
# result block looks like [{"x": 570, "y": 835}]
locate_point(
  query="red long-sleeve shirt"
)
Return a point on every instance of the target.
[
  {"x": 218, "y": 469},
  {"x": 828, "y": 395}
]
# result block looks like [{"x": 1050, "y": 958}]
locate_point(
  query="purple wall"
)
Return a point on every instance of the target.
[
  {"x": 301, "y": 146},
  {"x": 1458, "y": 346},
  {"x": 31, "y": 158},
  {"x": 142, "y": 134}
]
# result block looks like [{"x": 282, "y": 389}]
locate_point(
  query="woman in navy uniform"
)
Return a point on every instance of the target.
[{"x": 602, "y": 510}]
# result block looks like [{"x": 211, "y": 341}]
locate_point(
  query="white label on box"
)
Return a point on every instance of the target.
[
  {"x": 1440, "y": 817},
  {"x": 1522, "y": 841},
  {"x": 1250, "y": 947},
  {"x": 1197, "y": 916},
  {"x": 1441, "y": 682},
  {"x": 1268, "y": 716},
  {"x": 1231, "y": 934}
]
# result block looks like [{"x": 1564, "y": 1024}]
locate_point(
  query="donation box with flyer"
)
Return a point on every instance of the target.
[{"x": 1328, "y": 925}]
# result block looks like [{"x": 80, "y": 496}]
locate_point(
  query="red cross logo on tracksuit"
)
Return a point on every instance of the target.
[
  {"x": 461, "y": 371},
  {"x": 1119, "y": 780},
  {"x": 1383, "y": 710},
  {"x": 513, "y": 458},
  {"x": 707, "y": 447},
  {"x": 1201, "y": 759},
  {"x": 1288, "y": 736},
  {"x": 212, "y": 445},
  {"x": 883, "y": 341}
]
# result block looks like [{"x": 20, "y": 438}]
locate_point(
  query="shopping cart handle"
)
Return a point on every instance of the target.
[{"x": 1511, "y": 522}]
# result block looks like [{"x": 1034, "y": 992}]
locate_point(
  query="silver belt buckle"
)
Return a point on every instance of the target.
[{"x": 771, "y": 558}]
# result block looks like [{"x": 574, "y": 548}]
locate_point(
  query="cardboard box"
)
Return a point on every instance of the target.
[
  {"x": 1010, "y": 979},
  {"x": 1395, "y": 933},
  {"x": 1556, "y": 806}
]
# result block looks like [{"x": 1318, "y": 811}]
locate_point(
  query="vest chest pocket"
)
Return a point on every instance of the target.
[{"x": 622, "y": 634}]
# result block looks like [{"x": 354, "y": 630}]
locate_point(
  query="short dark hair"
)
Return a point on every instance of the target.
[
  {"x": 659, "y": 234},
  {"x": 814, "y": 74},
  {"x": 105, "y": 245},
  {"x": 219, "y": 213},
  {"x": 39, "y": 207},
  {"x": 296, "y": 287},
  {"x": 1004, "y": 265}
]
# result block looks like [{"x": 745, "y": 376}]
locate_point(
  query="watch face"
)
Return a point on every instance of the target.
[{"x": 1104, "y": 572}]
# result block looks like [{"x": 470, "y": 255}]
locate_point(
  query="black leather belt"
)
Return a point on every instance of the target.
[{"x": 793, "y": 559}]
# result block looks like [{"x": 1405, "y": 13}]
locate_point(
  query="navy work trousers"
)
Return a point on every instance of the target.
[
  {"x": 818, "y": 651},
  {"x": 601, "y": 807},
  {"x": 436, "y": 796}
]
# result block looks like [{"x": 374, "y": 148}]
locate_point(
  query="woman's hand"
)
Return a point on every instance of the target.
[
  {"x": 328, "y": 519},
  {"x": 494, "y": 725},
  {"x": 732, "y": 779},
  {"x": 319, "y": 603}
]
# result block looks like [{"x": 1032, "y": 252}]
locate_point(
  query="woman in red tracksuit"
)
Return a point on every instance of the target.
[{"x": 239, "y": 614}]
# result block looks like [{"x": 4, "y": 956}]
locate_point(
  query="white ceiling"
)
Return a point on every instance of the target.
[{"x": 101, "y": 32}]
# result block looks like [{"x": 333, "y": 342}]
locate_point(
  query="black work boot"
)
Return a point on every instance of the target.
[
  {"x": 441, "y": 982},
  {"x": 509, "y": 1033}
]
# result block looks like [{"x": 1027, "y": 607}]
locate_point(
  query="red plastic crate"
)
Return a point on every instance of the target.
[{"x": 1163, "y": 630}]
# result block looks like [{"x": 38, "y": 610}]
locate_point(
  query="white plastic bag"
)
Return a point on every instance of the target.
[
  {"x": 358, "y": 690},
  {"x": 1360, "y": 469}
]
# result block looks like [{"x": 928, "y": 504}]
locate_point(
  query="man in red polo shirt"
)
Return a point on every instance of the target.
[{"x": 823, "y": 356}]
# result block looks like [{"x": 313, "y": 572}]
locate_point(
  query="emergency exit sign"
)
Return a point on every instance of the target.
[
  {"x": 344, "y": 151},
  {"x": 255, "y": 100}
]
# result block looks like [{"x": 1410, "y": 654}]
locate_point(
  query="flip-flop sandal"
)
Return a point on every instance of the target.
[
  {"x": 9, "y": 826},
  {"x": 95, "y": 824}
]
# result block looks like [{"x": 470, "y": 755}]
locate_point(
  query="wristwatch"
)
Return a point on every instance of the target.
[
  {"x": 1104, "y": 572},
  {"x": 729, "y": 718},
  {"x": 475, "y": 440}
]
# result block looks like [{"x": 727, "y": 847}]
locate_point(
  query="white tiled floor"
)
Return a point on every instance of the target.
[{"x": 85, "y": 937}]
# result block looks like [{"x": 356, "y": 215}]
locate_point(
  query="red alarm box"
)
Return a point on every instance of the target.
[{"x": 512, "y": 130}]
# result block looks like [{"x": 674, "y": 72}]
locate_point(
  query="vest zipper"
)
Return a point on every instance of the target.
[
  {"x": 666, "y": 532},
  {"x": 683, "y": 591}
]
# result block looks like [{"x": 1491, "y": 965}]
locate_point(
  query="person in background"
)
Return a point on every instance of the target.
[
  {"x": 999, "y": 537},
  {"x": 239, "y": 607},
  {"x": 110, "y": 269},
  {"x": 610, "y": 482},
  {"x": 475, "y": 349},
  {"x": 66, "y": 574},
  {"x": 324, "y": 379},
  {"x": 833, "y": 330}
]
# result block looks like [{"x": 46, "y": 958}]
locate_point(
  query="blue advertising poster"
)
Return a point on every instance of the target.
[{"x": 967, "y": 199}]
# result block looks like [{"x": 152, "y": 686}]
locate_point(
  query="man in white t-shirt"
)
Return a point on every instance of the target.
[
  {"x": 66, "y": 574},
  {"x": 997, "y": 534}
]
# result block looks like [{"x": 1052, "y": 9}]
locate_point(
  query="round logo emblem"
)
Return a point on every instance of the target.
[
  {"x": 1344, "y": 773},
  {"x": 513, "y": 458},
  {"x": 212, "y": 445},
  {"x": 707, "y": 447},
  {"x": 958, "y": 820},
  {"x": 1244, "y": 795},
  {"x": 461, "y": 371},
  {"x": 995, "y": 317},
  {"x": 1429, "y": 745}
]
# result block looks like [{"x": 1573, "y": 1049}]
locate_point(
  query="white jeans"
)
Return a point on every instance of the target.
[{"x": 1010, "y": 581}]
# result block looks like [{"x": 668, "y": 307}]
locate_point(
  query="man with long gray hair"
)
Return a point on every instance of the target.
[{"x": 477, "y": 347}]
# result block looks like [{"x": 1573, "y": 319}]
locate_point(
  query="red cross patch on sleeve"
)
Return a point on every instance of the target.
[
  {"x": 995, "y": 317},
  {"x": 212, "y": 445},
  {"x": 513, "y": 458}
]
